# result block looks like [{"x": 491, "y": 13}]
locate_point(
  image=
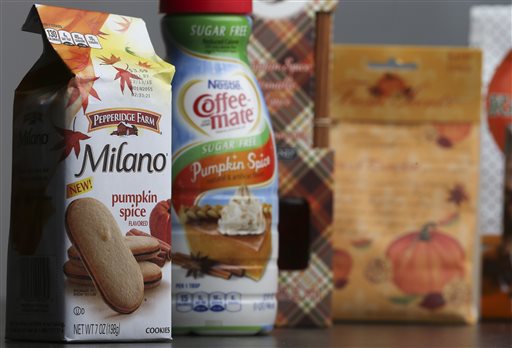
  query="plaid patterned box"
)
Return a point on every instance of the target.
[
  {"x": 282, "y": 54},
  {"x": 305, "y": 296}
]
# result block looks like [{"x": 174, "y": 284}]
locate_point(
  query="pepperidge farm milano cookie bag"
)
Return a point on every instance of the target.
[{"x": 89, "y": 236}]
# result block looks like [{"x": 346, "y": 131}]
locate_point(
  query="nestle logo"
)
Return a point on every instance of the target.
[
  {"x": 224, "y": 84},
  {"x": 130, "y": 118}
]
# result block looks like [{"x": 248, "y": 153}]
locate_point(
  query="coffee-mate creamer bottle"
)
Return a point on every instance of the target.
[{"x": 224, "y": 183}]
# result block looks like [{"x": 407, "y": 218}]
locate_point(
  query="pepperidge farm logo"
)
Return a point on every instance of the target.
[
  {"x": 215, "y": 106},
  {"x": 127, "y": 121}
]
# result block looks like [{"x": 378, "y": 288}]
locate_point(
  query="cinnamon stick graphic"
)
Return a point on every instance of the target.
[
  {"x": 219, "y": 273},
  {"x": 216, "y": 270},
  {"x": 322, "y": 80},
  {"x": 234, "y": 270}
]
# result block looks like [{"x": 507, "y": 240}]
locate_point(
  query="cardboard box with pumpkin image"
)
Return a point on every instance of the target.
[{"x": 406, "y": 183}]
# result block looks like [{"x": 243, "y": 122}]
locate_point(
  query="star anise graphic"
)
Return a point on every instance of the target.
[{"x": 199, "y": 265}]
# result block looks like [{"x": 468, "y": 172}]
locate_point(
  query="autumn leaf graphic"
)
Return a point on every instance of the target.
[
  {"x": 129, "y": 50},
  {"x": 78, "y": 61},
  {"x": 80, "y": 88},
  {"x": 77, "y": 18},
  {"x": 144, "y": 65},
  {"x": 109, "y": 61},
  {"x": 71, "y": 141},
  {"x": 125, "y": 78},
  {"x": 124, "y": 25},
  {"x": 457, "y": 195},
  {"x": 95, "y": 25}
]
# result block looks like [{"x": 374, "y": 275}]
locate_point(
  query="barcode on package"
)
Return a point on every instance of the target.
[{"x": 35, "y": 278}]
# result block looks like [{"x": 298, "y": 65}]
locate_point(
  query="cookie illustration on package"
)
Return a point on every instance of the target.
[
  {"x": 142, "y": 248},
  {"x": 108, "y": 260},
  {"x": 76, "y": 273}
]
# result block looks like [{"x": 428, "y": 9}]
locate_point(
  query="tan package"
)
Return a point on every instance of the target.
[
  {"x": 406, "y": 183},
  {"x": 91, "y": 163}
]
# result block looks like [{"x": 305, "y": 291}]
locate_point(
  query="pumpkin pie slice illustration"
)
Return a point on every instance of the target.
[{"x": 237, "y": 234}]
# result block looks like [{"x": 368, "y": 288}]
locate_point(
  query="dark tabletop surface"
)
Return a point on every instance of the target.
[{"x": 488, "y": 335}]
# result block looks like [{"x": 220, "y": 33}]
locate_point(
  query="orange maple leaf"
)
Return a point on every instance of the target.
[
  {"x": 77, "y": 18},
  {"x": 144, "y": 65},
  {"x": 79, "y": 60},
  {"x": 71, "y": 141},
  {"x": 109, "y": 61},
  {"x": 95, "y": 24},
  {"x": 124, "y": 25},
  {"x": 79, "y": 89},
  {"x": 125, "y": 78}
]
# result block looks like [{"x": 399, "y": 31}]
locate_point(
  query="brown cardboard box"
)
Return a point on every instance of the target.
[{"x": 406, "y": 183}]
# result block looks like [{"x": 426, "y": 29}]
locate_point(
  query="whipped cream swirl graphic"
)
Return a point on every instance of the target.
[{"x": 243, "y": 215}]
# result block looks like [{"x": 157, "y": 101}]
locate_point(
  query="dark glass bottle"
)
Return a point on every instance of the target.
[{"x": 294, "y": 227}]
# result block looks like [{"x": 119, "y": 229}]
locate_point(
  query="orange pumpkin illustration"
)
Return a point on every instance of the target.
[
  {"x": 341, "y": 266},
  {"x": 425, "y": 261},
  {"x": 391, "y": 85},
  {"x": 160, "y": 221},
  {"x": 451, "y": 133}
]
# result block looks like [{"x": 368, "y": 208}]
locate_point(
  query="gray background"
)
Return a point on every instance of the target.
[{"x": 427, "y": 22}]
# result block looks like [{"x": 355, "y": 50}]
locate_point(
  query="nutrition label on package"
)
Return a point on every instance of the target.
[
  {"x": 63, "y": 37},
  {"x": 202, "y": 302}
]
